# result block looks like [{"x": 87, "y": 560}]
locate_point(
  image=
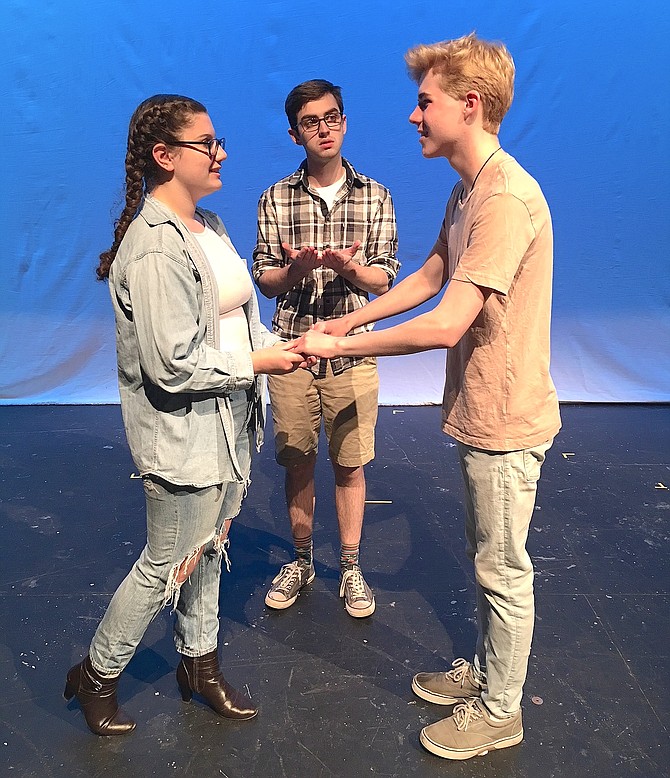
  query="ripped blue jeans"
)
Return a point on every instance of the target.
[{"x": 180, "y": 564}]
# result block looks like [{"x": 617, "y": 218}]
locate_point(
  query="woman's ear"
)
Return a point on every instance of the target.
[{"x": 163, "y": 157}]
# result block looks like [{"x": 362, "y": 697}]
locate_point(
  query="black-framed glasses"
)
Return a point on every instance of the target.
[
  {"x": 212, "y": 145},
  {"x": 332, "y": 119}
]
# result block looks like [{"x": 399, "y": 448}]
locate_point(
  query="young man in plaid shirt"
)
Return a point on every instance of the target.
[{"x": 326, "y": 239}]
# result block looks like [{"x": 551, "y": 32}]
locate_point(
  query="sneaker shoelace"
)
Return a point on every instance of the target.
[
  {"x": 460, "y": 671},
  {"x": 352, "y": 580},
  {"x": 287, "y": 578},
  {"x": 465, "y": 713}
]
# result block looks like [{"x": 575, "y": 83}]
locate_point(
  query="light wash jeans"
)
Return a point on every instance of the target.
[
  {"x": 180, "y": 520},
  {"x": 500, "y": 489}
]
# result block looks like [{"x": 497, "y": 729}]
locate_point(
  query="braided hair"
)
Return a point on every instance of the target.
[{"x": 159, "y": 119}]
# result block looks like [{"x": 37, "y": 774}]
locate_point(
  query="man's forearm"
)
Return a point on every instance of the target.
[
  {"x": 422, "y": 333},
  {"x": 278, "y": 280},
  {"x": 409, "y": 293},
  {"x": 442, "y": 327},
  {"x": 369, "y": 278}
]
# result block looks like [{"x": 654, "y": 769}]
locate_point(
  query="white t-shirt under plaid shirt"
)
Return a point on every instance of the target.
[{"x": 291, "y": 212}]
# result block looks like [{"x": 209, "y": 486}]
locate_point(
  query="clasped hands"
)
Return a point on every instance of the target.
[
  {"x": 289, "y": 355},
  {"x": 321, "y": 339}
]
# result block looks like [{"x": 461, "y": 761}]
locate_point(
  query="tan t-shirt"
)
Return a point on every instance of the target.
[{"x": 499, "y": 395}]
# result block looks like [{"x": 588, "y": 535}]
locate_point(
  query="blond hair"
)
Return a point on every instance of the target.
[{"x": 465, "y": 64}]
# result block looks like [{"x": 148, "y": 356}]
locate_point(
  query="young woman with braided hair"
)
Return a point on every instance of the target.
[{"x": 191, "y": 352}]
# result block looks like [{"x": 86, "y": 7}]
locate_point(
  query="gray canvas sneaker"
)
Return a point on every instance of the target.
[
  {"x": 456, "y": 685},
  {"x": 287, "y": 584},
  {"x": 471, "y": 731},
  {"x": 358, "y": 597}
]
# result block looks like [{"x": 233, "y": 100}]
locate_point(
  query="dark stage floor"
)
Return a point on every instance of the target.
[{"x": 334, "y": 692}]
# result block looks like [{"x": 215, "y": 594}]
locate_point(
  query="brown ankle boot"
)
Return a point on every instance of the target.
[
  {"x": 201, "y": 674},
  {"x": 97, "y": 698}
]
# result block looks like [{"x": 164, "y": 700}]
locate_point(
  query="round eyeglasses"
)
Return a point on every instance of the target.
[
  {"x": 212, "y": 146},
  {"x": 333, "y": 120}
]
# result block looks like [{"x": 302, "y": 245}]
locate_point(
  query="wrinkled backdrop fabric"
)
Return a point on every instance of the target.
[{"x": 590, "y": 122}]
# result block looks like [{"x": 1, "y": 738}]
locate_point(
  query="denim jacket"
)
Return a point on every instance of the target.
[{"x": 173, "y": 380}]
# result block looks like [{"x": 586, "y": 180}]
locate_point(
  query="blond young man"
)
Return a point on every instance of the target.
[
  {"x": 326, "y": 239},
  {"x": 494, "y": 253}
]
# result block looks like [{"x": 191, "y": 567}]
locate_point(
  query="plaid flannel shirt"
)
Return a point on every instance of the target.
[{"x": 291, "y": 212}]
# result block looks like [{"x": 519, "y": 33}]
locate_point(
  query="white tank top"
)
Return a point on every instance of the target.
[{"x": 235, "y": 289}]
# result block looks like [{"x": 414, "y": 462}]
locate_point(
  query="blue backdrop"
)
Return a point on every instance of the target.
[{"x": 590, "y": 121}]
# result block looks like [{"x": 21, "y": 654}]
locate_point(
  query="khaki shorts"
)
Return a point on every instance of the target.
[{"x": 346, "y": 402}]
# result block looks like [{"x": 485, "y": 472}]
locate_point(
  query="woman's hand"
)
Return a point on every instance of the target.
[{"x": 279, "y": 359}]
